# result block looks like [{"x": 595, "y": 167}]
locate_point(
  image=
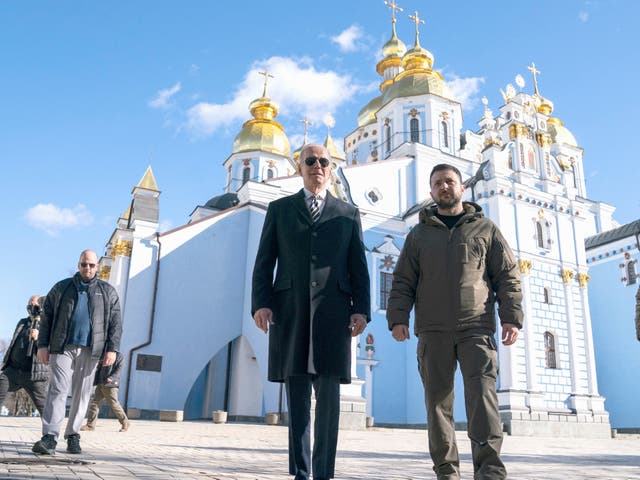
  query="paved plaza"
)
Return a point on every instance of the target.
[{"x": 204, "y": 450}]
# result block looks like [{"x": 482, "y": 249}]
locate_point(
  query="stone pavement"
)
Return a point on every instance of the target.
[{"x": 204, "y": 450}]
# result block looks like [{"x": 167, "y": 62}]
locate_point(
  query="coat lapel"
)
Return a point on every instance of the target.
[{"x": 301, "y": 206}]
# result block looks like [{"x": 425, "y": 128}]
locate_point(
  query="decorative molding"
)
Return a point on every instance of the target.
[
  {"x": 567, "y": 275},
  {"x": 388, "y": 262},
  {"x": 517, "y": 130},
  {"x": 105, "y": 272},
  {"x": 525, "y": 266},
  {"x": 543, "y": 139},
  {"x": 583, "y": 279},
  {"x": 121, "y": 247}
]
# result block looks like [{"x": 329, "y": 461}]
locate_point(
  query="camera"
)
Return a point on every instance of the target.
[{"x": 34, "y": 310}]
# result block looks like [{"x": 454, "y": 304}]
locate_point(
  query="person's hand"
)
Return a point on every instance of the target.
[
  {"x": 33, "y": 334},
  {"x": 400, "y": 332},
  {"x": 109, "y": 359},
  {"x": 357, "y": 324},
  {"x": 263, "y": 318},
  {"x": 43, "y": 355},
  {"x": 509, "y": 334}
]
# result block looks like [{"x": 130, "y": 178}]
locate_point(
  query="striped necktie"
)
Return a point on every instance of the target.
[{"x": 314, "y": 209}]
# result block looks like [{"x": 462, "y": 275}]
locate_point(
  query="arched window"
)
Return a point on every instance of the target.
[
  {"x": 246, "y": 174},
  {"x": 444, "y": 131},
  {"x": 387, "y": 134},
  {"x": 550, "y": 350},
  {"x": 385, "y": 289},
  {"x": 414, "y": 126},
  {"x": 575, "y": 176},
  {"x": 547, "y": 295},
  {"x": 531, "y": 160},
  {"x": 543, "y": 234},
  {"x": 521, "y": 155},
  {"x": 539, "y": 235},
  {"x": 270, "y": 173}
]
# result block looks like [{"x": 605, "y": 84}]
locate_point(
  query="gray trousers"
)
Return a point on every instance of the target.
[
  {"x": 438, "y": 354},
  {"x": 73, "y": 368}
]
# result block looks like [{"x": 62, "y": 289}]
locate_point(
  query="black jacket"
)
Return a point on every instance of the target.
[
  {"x": 321, "y": 279},
  {"x": 104, "y": 310},
  {"x": 39, "y": 371},
  {"x": 109, "y": 376}
]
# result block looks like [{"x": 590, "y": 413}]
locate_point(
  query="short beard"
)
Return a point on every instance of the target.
[{"x": 448, "y": 204}]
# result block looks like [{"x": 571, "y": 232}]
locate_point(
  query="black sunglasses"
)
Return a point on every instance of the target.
[
  {"x": 85, "y": 265},
  {"x": 312, "y": 161}
]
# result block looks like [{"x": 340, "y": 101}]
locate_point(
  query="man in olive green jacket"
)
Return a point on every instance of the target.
[{"x": 454, "y": 266}]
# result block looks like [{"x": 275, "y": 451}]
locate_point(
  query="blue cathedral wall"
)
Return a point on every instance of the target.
[{"x": 617, "y": 350}]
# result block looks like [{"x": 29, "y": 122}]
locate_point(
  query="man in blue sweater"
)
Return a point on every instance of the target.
[{"x": 81, "y": 325}]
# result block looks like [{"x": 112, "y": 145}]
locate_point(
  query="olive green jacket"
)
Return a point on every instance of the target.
[{"x": 454, "y": 277}]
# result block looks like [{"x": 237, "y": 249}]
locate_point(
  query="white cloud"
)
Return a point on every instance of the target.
[
  {"x": 163, "y": 96},
  {"x": 51, "y": 219},
  {"x": 583, "y": 16},
  {"x": 465, "y": 90},
  {"x": 298, "y": 87},
  {"x": 349, "y": 40}
]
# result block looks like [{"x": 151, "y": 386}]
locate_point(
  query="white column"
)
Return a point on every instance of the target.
[
  {"x": 579, "y": 400},
  {"x": 120, "y": 264},
  {"x": 535, "y": 397}
]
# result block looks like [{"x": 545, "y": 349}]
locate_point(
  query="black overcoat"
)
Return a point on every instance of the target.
[{"x": 321, "y": 278}]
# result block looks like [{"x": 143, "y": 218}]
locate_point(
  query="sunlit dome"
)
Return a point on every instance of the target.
[
  {"x": 559, "y": 133},
  {"x": 262, "y": 132}
]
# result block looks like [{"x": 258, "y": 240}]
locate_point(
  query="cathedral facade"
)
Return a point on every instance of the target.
[{"x": 189, "y": 338}]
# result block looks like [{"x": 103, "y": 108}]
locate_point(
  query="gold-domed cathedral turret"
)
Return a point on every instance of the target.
[
  {"x": 538, "y": 148},
  {"x": 415, "y": 105},
  {"x": 261, "y": 149}
]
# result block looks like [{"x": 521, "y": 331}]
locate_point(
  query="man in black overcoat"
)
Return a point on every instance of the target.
[{"x": 318, "y": 300}]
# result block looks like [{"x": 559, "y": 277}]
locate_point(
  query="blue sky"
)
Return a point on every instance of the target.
[{"x": 91, "y": 93}]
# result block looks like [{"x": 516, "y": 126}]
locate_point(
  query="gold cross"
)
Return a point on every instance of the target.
[
  {"x": 267, "y": 75},
  {"x": 417, "y": 20},
  {"x": 392, "y": 5},
  {"x": 306, "y": 124},
  {"x": 532, "y": 69}
]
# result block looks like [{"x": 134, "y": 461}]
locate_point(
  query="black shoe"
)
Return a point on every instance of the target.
[
  {"x": 73, "y": 443},
  {"x": 45, "y": 446}
]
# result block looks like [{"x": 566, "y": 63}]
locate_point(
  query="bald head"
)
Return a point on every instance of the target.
[{"x": 88, "y": 265}]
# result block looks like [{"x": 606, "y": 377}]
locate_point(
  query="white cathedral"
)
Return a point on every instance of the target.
[{"x": 189, "y": 339}]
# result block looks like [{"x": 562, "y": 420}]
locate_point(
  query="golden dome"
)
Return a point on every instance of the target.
[
  {"x": 262, "y": 132},
  {"x": 559, "y": 133},
  {"x": 392, "y": 52},
  {"x": 394, "y": 46},
  {"x": 367, "y": 115},
  {"x": 417, "y": 58},
  {"x": 419, "y": 82},
  {"x": 544, "y": 105},
  {"x": 418, "y": 78}
]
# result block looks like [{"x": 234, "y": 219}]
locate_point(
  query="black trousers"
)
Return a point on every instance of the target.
[
  {"x": 12, "y": 380},
  {"x": 325, "y": 438}
]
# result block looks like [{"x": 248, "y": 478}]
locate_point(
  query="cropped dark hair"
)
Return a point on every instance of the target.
[{"x": 444, "y": 166}]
